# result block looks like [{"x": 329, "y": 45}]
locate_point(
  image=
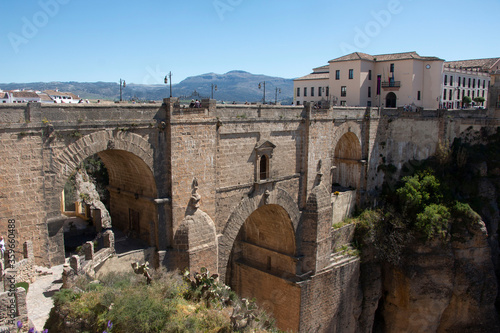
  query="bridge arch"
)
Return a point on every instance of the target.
[
  {"x": 238, "y": 217},
  {"x": 261, "y": 261},
  {"x": 129, "y": 160}
]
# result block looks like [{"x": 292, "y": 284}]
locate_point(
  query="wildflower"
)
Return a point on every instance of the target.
[
  {"x": 19, "y": 325},
  {"x": 110, "y": 324},
  {"x": 31, "y": 330}
]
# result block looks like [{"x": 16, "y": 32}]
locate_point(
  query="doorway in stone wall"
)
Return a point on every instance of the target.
[{"x": 390, "y": 100}]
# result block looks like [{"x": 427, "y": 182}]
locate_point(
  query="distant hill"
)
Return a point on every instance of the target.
[{"x": 235, "y": 85}]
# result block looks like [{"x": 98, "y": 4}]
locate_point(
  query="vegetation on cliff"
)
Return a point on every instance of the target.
[
  {"x": 436, "y": 199},
  {"x": 171, "y": 303}
]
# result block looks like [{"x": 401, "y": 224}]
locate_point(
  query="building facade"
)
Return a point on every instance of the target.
[
  {"x": 467, "y": 78},
  {"x": 313, "y": 87},
  {"x": 398, "y": 80}
]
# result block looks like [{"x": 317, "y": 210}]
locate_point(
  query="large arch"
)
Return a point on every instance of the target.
[
  {"x": 238, "y": 217},
  {"x": 263, "y": 261},
  {"x": 132, "y": 186}
]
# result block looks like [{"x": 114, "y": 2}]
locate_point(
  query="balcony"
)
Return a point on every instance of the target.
[{"x": 391, "y": 84}]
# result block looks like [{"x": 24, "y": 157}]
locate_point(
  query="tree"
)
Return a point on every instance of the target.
[
  {"x": 479, "y": 100},
  {"x": 466, "y": 100}
]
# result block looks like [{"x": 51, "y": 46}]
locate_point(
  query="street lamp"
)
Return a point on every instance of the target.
[
  {"x": 260, "y": 85},
  {"x": 278, "y": 91},
  {"x": 122, "y": 85},
  {"x": 167, "y": 77},
  {"x": 213, "y": 86}
]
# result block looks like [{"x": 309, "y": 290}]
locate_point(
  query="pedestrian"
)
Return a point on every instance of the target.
[{"x": 2, "y": 251}]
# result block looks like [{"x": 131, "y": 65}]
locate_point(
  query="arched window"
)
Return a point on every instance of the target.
[
  {"x": 263, "y": 164},
  {"x": 264, "y": 167}
]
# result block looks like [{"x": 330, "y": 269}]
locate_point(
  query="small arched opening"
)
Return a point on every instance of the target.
[{"x": 347, "y": 162}]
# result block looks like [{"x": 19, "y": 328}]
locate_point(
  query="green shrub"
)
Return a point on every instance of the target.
[
  {"x": 433, "y": 221},
  {"x": 24, "y": 285}
]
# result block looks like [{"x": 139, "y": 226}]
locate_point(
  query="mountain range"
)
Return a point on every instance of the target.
[{"x": 239, "y": 86}]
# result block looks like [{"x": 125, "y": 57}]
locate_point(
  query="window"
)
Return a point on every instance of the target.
[
  {"x": 444, "y": 95},
  {"x": 468, "y": 92},
  {"x": 392, "y": 68},
  {"x": 369, "y": 91},
  {"x": 263, "y": 167},
  {"x": 463, "y": 82},
  {"x": 458, "y": 93},
  {"x": 343, "y": 91},
  {"x": 351, "y": 74},
  {"x": 298, "y": 92},
  {"x": 474, "y": 83},
  {"x": 451, "y": 94},
  {"x": 337, "y": 74},
  {"x": 451, "y": 80},
  {"x": 418, "y": 95},
  {"x": 484, "y": 84},
  {"x": 305, "y": 91},
  {"x": 483, "y": 93},
  {"x": 446, "y": 80},
  {"x": 312, "y": 91},
  {"x": 469, "y": 83},
  {"x": 327, "y": 91},
  {"x": 343, "y": 103},
  {"x": 319, "y": 91},
  {"x": 459, "y": 81},
  {"x": 473, "y": 94},
  {"x": 463, "y": 94},
  {"x": 369, "y": 74}
]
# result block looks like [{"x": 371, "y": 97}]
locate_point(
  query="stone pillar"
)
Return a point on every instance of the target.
[
  {"x": 88, "y": 249},
  {"x": 74, "y": 262},
  {"x": 67, "y": 275},
  {"x": 109, "y": 239},
  {"x": 28, "y": 250},
  {"x": 22, "y": 308}
]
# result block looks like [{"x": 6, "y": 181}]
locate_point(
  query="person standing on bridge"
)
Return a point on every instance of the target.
[{"x": 2, "y": 251}]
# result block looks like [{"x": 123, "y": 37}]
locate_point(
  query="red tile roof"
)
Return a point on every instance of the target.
[{"x": 383, "y": 57}]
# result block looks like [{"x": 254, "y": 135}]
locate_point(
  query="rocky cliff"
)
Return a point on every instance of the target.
[{"x": 447, "y": 282}]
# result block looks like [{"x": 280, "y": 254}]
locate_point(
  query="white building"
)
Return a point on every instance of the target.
[
  {"x": 62, "y": 97},
  {"x": 467, "y": 78},
  {"x": 24, "y": 97},
  {"x": 4, "y": 97},
  {"x": 313, "y": 87}
]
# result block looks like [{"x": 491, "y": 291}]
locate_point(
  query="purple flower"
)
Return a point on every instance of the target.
[
  {"x": 19, "y": 324},
  {"x": 45, "y": 331},
  {"x": 110, "y": 324},
  {"x": 31, "y": 330},
  {"x": 104, "y": 332}
]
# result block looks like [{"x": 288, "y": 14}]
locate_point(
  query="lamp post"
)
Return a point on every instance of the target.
[
  {"x": 213, "y": 86},
  {"x": 260, "y": 85},
  {"x": 278, "y": 91},
  {"x": 122, "y": 85},
  {"x": 169, "y": 77}
]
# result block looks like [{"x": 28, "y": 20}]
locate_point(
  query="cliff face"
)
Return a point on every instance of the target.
[
  {"x": 443, "y": 285},
  {"x": 442, "y": 288}
]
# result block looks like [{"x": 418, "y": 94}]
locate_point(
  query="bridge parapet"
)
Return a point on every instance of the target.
[{"x": 36, "y": 114}]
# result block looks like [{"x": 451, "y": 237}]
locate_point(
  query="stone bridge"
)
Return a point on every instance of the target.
[{"x": 248, "y": 191}]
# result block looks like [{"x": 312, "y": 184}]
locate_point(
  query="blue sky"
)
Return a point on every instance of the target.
[{"x": 141, "y": 41}]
